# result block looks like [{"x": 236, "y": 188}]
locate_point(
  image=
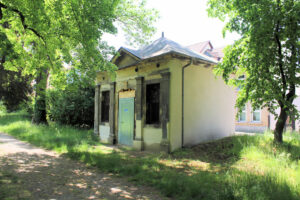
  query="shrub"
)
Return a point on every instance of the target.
[
  {"x": 2, "y": 107},
  {"x": 72, "y": 106},
  {"x": 15, "y": 89}
]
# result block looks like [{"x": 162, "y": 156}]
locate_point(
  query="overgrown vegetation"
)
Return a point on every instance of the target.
[
  {"x": 239, "y": 167},
  {"x": 40, "y": 37},
  {"x": 15, "y": 87},
  {"x": 70, "y": 101},
  {"x": 72, "y": 106}
]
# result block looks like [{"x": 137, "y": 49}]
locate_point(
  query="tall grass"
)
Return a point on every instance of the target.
[
  {"x": 240, "y": 167},
  {"x": 54, "y": 136}
]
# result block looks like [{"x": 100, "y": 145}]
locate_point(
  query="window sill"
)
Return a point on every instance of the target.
[
  {"x": 152, "y": 126},
  {"x": 256, "y": 122},
  {"x": 104, "y": 123}
]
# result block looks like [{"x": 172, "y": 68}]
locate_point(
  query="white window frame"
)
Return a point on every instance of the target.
[
  {"x": 252, "y": 115},
  {"x": 244, "y": 110}
]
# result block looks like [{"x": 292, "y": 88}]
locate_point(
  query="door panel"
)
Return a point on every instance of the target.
[{"x": 126, "y": 121}]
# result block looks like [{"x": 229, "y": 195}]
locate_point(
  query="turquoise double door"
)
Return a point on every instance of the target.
[{"x": 126, "y": 121}]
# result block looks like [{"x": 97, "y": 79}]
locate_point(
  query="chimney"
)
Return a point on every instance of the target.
[{"x": 162, "y": 34}]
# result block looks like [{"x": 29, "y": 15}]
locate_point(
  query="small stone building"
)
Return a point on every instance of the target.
[{"x": 162, "y": 97}]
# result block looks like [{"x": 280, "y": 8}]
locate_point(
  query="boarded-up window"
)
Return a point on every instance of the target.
[
  {"x": 105, "y": 106},
  {"x": 152, "y": 103}
]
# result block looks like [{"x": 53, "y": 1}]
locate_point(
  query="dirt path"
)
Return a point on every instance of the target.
[{"x": 48, "y": 176}]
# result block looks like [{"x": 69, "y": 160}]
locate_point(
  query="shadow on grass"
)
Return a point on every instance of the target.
[
  {"x": 13, "y": 118},
  {"x": 227, "y": 151},
  {"x": 173, "y": 182},
  {"x": 11, "y": 188},
  {"x": 203, "y": 185},
  {"x": 49, "y": 177}
]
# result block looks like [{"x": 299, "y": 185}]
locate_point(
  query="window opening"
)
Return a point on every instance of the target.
[
  {"x": 105, "y": 106},
  {"x": 256, "y": 115},
  {"x": 152, "y": 103}
]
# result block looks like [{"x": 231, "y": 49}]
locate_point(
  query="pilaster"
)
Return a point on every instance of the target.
[
  {"x": 138, "y": 139},
  {"x": 165, "y": 101},
  {"x": 97, "y": 110},
  {"x": 112, "y": 136}
]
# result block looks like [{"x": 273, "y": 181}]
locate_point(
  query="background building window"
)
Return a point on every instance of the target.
[
  {"x": 105, "y": 106},
  {"x": 256, "y": 115},
  {"x": 152, "y": 103},
  {"x": 242, "y": 114}
]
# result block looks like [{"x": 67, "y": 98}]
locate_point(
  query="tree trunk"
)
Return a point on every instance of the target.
[
  {"x": 280, "y": 125},
  {"x": 40, "y": 114},
  {"x": 293, "y": 124}
]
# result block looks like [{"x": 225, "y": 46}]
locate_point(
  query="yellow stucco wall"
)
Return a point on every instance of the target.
[
  {"x": 152, "y": 137},
  {"x": 208, "y": 106},
  {"x": 203, "y": 92},
  {"x": 127, "y": 60},
  {"x": 175, "y": 103},
  {"x": 126, "y": 79}
]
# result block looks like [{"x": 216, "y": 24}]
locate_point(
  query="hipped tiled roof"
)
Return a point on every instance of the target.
[{"x": 164, "y": 46}]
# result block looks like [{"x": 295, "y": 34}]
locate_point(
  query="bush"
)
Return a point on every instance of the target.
[
  {"x": 28, "y": 105},
  {"x": 15, "y": 88},
  {"x": 72, "y": 106},
  {"x": 2, "y": 107}
]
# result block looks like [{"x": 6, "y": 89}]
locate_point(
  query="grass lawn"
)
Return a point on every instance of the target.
[{"x": 239, "y": 167}]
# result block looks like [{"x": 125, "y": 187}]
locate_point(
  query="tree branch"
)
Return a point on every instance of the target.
[
  {"x": 22, "y": 17},
  {"x": 2, "y": 61},
  {"x": 279, "y": 51}
]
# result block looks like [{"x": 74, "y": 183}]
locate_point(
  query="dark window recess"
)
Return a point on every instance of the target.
[
  {"x": 152, "y": 103},
  {"x": 105, "y": 106}
]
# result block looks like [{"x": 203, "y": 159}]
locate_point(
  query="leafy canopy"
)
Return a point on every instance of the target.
[
  {"x": 267, "y": 52},
  {"x": 46, "y": 34}
]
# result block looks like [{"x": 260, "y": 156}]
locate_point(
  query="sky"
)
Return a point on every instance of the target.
[{"x": 185, "y": 22}]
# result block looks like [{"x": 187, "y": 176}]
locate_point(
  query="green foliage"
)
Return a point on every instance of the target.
[
  {"x": 14, "y": 88},
  {"x": 47, "y": 34},
  {"x": 41, "y": 37},
  {"x": 2, "y": 108},
  {"x": 72, "y": 107},
  {"x": 132, "y": 15},
  {"x": 71, "y": 99},
  {"x": 239, "y": 167},
  {"x": 258, "y": 54},
  {"x": 268, "y": 53}
]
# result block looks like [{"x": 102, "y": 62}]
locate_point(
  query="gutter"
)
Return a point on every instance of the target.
[{"x": 182, "y": 100}]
